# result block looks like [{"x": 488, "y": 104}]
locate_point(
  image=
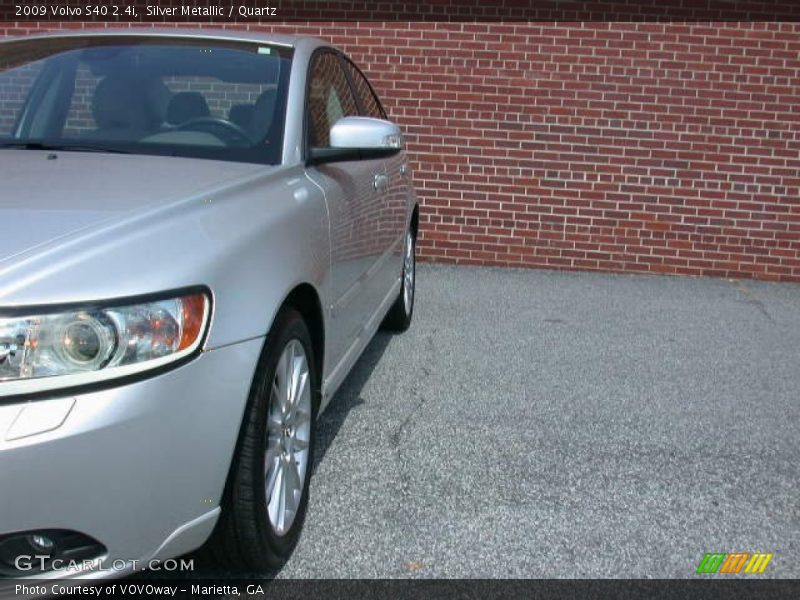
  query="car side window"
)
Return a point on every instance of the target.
[
  {"x": 371, "y": 106},
  {"x": 329, "y": 99}
]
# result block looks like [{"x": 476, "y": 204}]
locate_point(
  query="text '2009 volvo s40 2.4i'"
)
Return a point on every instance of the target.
[{"x": 201, "y": 234}]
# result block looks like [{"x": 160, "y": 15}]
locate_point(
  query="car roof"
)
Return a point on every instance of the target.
[{"x": 304, "y": 43}]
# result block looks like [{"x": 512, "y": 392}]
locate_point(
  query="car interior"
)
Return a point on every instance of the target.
[{"x": 145, "y": 110}]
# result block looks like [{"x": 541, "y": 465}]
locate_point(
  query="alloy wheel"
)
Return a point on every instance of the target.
[
  {"x": 408, "y": 273},
  {"x": 288, "y": 439}
]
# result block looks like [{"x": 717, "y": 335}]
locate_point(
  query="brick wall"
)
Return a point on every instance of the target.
[{"x": 638, "y": 147}]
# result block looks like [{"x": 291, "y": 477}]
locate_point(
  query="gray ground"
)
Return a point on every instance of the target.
[{"x": 545, "y": 424}]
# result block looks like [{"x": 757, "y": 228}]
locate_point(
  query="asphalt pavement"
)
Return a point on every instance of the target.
[{"x": 546, "y": 424}]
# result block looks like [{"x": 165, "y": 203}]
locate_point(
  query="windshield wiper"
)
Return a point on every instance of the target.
[{"x": 61, "y": 147}]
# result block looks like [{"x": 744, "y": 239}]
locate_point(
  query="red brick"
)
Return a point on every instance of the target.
[{"x": 630, "y": 147}]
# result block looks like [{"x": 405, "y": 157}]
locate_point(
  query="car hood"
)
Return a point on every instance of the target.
[{"x": 45, "y": 196}]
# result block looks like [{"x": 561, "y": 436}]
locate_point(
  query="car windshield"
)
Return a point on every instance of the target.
[{"x": 195, "y": 98}]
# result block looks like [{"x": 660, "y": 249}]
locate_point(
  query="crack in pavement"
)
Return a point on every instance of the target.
[
  {"x": 396, "y": 436},
  {"x": 753, "y": 300}
]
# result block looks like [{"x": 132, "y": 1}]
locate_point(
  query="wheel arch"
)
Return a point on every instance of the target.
[{"x": 305, "y": 300}]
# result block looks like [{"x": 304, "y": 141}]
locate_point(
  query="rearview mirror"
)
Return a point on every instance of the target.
[{"x": 359, "y": 138}]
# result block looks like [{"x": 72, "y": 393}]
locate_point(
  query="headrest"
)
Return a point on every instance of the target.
[
  {"x": 241, "y": 114},
  {"x": 263, "y": 113},
  {"x": 115, "y": 104},
  {"x": 186, "y": 106}
]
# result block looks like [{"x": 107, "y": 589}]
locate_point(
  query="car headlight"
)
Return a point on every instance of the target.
[{"x": 45, "y": 349}]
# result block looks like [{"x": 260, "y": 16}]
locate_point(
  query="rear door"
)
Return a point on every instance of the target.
[{"x": 391, "y": 214}]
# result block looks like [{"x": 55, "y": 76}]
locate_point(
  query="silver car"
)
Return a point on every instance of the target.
[{"x": 201, "y": 232}]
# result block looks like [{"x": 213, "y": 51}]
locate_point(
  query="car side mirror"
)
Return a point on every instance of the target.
[{"x": 359, "y": 138}]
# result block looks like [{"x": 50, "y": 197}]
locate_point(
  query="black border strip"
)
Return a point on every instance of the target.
[
  {"x": 461, "y": 589},
  {"x": 228, "y": 11}
]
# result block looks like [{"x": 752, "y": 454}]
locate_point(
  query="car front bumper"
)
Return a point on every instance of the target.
[{"x": 140, "y": 468}]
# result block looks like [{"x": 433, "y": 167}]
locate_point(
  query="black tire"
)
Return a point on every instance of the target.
[
  {"x": 399, "y": 316},
  {"x": 244, "y": 539}
]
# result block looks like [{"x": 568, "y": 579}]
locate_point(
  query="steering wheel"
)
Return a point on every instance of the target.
[{"x": 225, "y": 130}]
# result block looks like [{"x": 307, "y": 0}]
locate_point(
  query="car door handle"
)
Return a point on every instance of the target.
[{"x": 380, "y": 182}]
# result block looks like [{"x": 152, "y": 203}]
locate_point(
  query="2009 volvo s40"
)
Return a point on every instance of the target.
[{"x": 200, "y": 234}]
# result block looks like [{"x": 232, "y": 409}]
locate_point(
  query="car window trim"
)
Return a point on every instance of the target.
[
  {"x": 343, "y": 65},
  {"x": 362, "y": 109},
  {"x": 314, "y": 56}
]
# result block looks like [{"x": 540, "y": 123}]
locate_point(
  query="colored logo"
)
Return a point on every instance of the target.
[{"x": 736, "y": 562}]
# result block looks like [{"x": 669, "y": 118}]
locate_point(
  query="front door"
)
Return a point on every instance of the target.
[{"x": 355, "y": 192}]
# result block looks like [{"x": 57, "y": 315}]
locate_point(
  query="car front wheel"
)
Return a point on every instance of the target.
[{"x": 267, "y": 493}]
